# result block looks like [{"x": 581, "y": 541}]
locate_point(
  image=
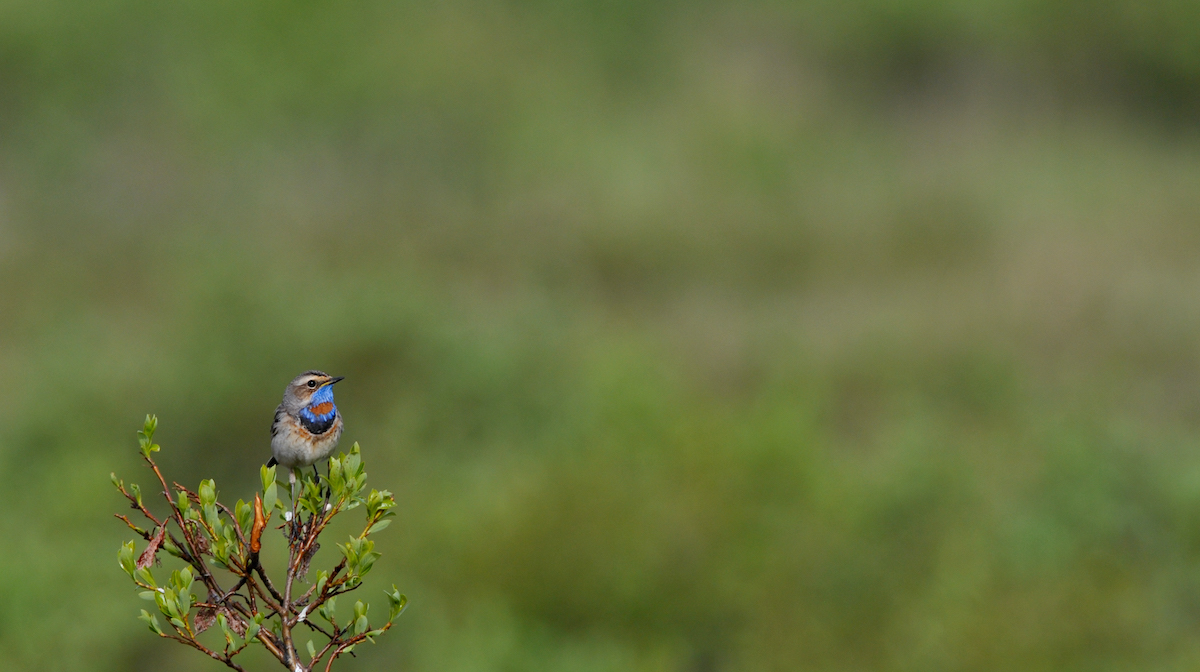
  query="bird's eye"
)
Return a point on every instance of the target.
[{"x": 312, "y": 383}]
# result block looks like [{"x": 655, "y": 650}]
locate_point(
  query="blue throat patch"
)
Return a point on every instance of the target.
[
  {"x": 323, "y": 395},
  {"x": 319, "y": 422}
]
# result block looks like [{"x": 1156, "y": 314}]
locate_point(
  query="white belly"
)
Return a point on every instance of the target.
[{"x": 294, "y": 446}]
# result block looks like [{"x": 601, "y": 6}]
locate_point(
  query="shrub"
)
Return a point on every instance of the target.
[{"x": 206, "y": 534}]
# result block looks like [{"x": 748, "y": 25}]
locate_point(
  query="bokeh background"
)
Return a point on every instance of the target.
[{"x": 709, "y": 336}]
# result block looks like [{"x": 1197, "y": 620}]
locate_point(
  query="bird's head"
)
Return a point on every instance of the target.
[{"x": 310, "y": 389}]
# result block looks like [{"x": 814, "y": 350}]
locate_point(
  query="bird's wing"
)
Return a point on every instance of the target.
[
  {"x": 275, "y": 430},
  {"x": 275, "y": 423}
]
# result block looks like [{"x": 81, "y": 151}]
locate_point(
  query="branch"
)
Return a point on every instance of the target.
[{"x": 244, "y": 612}]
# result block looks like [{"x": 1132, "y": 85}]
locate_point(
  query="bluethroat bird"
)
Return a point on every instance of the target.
[{"x": 307, "y": 423}]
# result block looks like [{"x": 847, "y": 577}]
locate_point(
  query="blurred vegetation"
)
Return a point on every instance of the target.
[{"x": 691, "y": 337}]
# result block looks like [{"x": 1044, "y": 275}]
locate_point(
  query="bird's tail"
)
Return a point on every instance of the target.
[{"x": 272, "y": 462}]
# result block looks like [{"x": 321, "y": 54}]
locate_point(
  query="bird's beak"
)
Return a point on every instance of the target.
[{"x": 333, "y": 380}]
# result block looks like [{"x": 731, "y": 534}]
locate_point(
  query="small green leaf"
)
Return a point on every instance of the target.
[
  {"x": 398, "y": 601},
  {"x": 270, "y": 496},
  {"x": 312, "y": 650},
  {"x": 212, "y": 517},
  {"x": 147, "y": 594},
  {"x": 311, "y": 488},
  {"x": 267, "y": 476},
  {"x": 171, "y": 547},
  {"x": 146, "y": 437},
  {"x": 245, "y": 515},
  {"x": 169, "y": 603},
  {"x": 329, "y": 609},
  {"x": 152, "y": 621},
  {"x": 352, "y": 463},
  {"x": 252, "y": 629},
  {"x": 207, "y": 492},
  {"x": 379, "y": 526},
  {"x": 125, "y": 557},
  {"x": 230, "y": 638},
  {"x": 145, "y": 576},
  {"x": 336, "y": 482},
  {"x": 184, "y": 602},
  {"x": 348, "y": 551}
]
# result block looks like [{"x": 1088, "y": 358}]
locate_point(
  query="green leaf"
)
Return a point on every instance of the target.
[
  {"x": 118, "y": 483},
  {"x": 312, "y": 650},
  {"x": 270, "y": 496},
  {"x": 245, "y": 515},
  {"x": 252, "y": 629},
  {"x": 379, "y": 526},
  {"x": 212, "y": 517},
  {"x": 171, "y": 547},
  {"x": 231, "y": 638},
  {"x": 353, "y": 463},
  {"x": 137, "y": 492},
  {"x": 125, "y": 558},
  {"x": 329, "y": 609},
  {"x": 207, "y": 492},
  {"x": 267, "y": 476},
  {"x": 348, "y": 551},
  {"x": 152, "y": 621},
  {"x": 398, "y": 602},
  {"x": 336, "y": 482},
  {"x": 145, "y": 576},
  {"x": 181, "y": 502},
  {"x": 147, "y": 594},
  {"x": 146, "y": 436},
  {"x": 184, "y": 602},
  {"x": 312, "y": 488},
  {"x": 170, "y": 603}
]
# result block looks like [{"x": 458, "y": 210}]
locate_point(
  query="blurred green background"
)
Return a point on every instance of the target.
[{"x": 691, "y": 337}]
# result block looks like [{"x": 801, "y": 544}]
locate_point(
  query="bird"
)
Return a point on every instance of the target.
[{"x": 307, "y": 423}]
